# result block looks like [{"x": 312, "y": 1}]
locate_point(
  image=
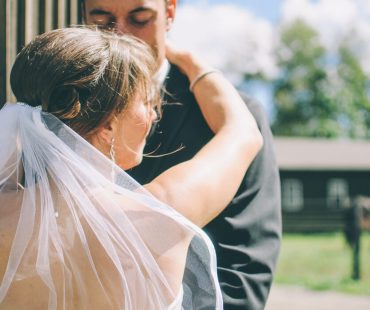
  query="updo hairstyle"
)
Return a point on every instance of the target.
[{"x": 84, "y": 76}]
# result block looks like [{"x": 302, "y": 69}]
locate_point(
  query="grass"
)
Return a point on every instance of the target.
[{"x": 323, "y": 262}]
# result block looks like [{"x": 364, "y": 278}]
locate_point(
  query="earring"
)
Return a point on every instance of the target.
[{"x": 112, "y": 154}]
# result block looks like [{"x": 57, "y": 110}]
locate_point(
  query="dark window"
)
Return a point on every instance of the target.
[
  {"x": 337, "y": 192},
  {"x": 292, "y": 195}
]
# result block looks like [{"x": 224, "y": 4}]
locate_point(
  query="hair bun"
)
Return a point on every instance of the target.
[{"x": 64, "y": 102}]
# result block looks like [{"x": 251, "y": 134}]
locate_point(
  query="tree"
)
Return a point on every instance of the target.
[
  {"x": 303, "y": 106},
  {"x": 352, "y": 95},
  {"x": 319, "y": 94}
]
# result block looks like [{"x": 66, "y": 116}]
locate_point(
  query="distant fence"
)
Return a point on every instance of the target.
[
  {"x": 316, "y": 216},
  {"x": 21, "y": 21},
  {"x": 314, "y": 220}
]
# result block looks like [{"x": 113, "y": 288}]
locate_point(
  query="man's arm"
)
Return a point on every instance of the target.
[{"x": 247, "y": 233}]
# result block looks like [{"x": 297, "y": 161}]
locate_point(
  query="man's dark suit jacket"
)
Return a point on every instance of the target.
[{"x": 247, "y": 233}]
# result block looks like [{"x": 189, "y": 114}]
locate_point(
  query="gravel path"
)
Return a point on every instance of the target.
[{"x": 297, "y": 298}]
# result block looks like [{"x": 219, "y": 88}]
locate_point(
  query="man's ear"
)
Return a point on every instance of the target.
[{"x": 170, "y": 12}]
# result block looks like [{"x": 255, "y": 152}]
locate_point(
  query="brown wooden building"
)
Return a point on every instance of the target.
[{"x": 318, "y": 180}]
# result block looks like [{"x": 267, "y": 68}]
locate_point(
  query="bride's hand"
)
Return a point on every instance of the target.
[{"x": 187, "y": 62}]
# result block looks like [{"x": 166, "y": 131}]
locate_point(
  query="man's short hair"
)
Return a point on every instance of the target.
[{"x": 82, "y": 1}]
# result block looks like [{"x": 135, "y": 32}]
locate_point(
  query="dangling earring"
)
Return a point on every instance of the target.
[{"x": 112, "y": 154}]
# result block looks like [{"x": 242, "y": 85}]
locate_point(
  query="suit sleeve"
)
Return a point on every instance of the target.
[{"x": 247, "y": 233}]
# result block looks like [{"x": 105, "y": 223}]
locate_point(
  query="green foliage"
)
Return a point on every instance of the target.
[
  {"x": 352, "y": 95},
  {"x": 311, "y": 102},
  {"x": 322, "y": 262}
]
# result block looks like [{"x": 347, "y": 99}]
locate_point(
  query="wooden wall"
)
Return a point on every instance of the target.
[
  {"x": 22, "y": 20},
  {"x": 316, "y": 215}
]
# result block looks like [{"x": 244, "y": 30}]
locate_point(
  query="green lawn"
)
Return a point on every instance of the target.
[{"x": 323, "y": 262}]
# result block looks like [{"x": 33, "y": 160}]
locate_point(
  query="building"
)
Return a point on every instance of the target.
[{"x": 318, "y": 180}]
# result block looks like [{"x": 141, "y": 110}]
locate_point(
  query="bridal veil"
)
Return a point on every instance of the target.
[{"x": 77, "y": 232}]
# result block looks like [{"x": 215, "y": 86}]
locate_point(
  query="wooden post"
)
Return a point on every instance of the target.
[
  {"x": 356, "y": 274},
  {"x": 11, "y": 42},
  {"x": 21, "y": 21},
  {"x": 3, "y": 29},
  {"x": 353, "y": 229}
]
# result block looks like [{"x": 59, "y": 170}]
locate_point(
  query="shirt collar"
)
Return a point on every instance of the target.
[{"x": 161, "y": 74}]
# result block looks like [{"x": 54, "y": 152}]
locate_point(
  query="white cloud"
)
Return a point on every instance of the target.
[
  {"x": 335, "y": 20},
  {"x": 227, "y": 37},
  {"x": 232, "y": 39},
  {"x": 365, "y": 6}
]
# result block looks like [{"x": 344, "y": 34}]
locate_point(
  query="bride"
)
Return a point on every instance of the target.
[{"x": 76, "y": 231}]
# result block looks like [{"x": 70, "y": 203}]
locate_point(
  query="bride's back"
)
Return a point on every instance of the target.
[
  {"x": 84, "y": 275},
  {"x": 29, "y": 290}
]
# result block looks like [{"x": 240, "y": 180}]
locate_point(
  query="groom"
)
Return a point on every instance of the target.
[{"x": 247, "y": 233}]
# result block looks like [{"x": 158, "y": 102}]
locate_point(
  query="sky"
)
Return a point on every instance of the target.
[
  {"x": 239, "y": 36},
  {"x": 269, "y": 9}
]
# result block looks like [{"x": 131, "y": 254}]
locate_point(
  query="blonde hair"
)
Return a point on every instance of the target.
[{"x": 84, "y": 76}]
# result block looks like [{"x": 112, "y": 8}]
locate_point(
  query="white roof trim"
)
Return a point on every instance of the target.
[{"x": 322, "y": 154}]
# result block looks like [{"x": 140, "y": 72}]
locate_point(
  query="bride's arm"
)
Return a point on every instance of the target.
[{"x": 202, "y": 187}]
